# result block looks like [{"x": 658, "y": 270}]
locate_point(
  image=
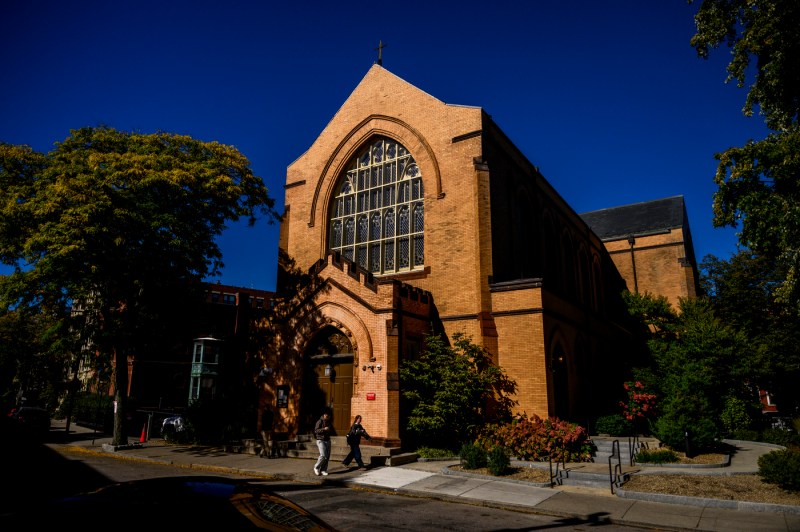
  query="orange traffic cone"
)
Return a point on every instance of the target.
[{"x": 143, "y": 437}]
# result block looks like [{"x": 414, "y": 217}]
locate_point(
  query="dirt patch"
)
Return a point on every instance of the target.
[
  {"x": 726, "y": 487},
  {"x": 530, "y": 474},
  {"x": 709, "y": 486}
]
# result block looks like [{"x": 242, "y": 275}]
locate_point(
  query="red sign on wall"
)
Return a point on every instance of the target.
[{"x": 370, "y": 396}]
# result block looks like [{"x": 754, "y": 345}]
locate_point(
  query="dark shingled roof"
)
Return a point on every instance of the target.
[{"x": 637, "y": 219}]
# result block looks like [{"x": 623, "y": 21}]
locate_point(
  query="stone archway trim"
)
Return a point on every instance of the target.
[
  {"x": 340, "y": 317},
  {"x": 373, "y": 125}
]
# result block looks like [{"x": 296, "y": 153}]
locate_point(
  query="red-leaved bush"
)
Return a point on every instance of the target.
[
  {"x": 640, "y": 404},
  {"x": 538, "y": 439}
]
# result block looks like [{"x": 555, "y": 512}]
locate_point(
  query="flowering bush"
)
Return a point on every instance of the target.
[
  {"x": 639, "y": 403},
  {"x": 539, "y": 439}
]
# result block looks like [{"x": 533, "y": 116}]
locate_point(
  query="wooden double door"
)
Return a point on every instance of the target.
[{"x": 332, "y": 390}]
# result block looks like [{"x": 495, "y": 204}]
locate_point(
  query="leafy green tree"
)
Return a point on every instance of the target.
[
  {"x": 697, "y": 372},
  {"x": 737, "y": 416},
  {"x": 742, "y": 291},
  {"x": 698, "y": 363},
  {"x": 759, "y": 183},
  {"x": 653, "y": 324},
  {"x": 451, "y": 392},
  {"x": 117, "y": 225},
  {"x": 27, "y": 368}
]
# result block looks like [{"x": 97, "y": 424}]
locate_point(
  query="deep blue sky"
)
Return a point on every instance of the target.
[{"x": 608, "y": 99}]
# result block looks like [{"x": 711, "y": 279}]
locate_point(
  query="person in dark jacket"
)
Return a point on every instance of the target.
[
  {"x": 354, "y": 441},
  {"x": 322, "y": 432}
]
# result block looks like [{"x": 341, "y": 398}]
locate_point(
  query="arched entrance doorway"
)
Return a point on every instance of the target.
[
  {"x": 558, "y": 364},
  {"x": 328, "y": 382}
]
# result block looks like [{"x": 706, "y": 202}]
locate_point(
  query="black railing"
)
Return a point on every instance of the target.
[
  {"x": 634, "y": 446},
  {"x": 557, "y": 476},
  {"x": 615, "y": 470}
]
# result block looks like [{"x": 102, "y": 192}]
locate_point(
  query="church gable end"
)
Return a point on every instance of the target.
[{"x": 414, "y": 216}]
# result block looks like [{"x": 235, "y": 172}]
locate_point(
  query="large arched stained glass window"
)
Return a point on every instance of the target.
[{"x": 378, "y": 213}]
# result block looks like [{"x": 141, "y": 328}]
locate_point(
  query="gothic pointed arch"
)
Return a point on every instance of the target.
[
  {"x": 568, "y": 267},
  {"x": 558, "y": 365},
  {"x": 583, "y": 377},
  {"x": 351, "y": 143},
  {"x": 583, "y": 279},
  {"x": 328, "y": 377},
  {"x": 325, "y": 344},
  {"x": 597, "y": 283},
  {"x": 552, "y": 253},
  {"x": 377, "y": 214}
]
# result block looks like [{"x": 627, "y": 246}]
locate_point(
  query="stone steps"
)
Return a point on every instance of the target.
[
  {"x": 598, "y": 474},
  {"x": 371, "y": 454},
  {"x": 306, "y": 447},
  {"x": 604, "y": 446}
]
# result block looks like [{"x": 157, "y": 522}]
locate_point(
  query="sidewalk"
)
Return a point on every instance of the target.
[{"x": 434, "y": 480}]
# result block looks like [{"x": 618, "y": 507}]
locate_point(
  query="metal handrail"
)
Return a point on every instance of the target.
[
  {"x": 635, "y": 446},
  {"x": 557, "y": 477},
  {"x": 615, "y": 470}
]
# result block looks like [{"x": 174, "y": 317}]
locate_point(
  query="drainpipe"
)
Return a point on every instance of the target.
[{"x": 632, "y": 241}]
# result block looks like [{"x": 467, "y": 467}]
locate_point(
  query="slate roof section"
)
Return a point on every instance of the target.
[{"x": 637, "y": 219}]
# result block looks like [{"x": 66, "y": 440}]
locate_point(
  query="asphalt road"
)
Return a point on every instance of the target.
[{"x": 36, "y": 473}]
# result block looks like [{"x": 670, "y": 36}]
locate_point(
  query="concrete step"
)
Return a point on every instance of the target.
[
  {"x": 397, "y": 459},
  {"x": 592, "y": 474},
  {"x": 604, "y": 447},
  {"x": 593, "y": 480},
  {"x": 370, "y": 454},
  {"x": 305, "y": 446}
]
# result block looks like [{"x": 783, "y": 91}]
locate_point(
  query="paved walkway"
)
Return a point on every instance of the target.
[{"x": 433, "y": 479}]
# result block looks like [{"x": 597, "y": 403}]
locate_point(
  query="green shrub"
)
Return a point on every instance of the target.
[
  {"x": 432, "y": 452},
  {"x": 94, "y": 410},
  {"x": 473, "y": 456},
  {"x": 746, "y": 435},
  {"x": 736, "y": 415},
  {"x": 781, "y": 468},
  {"x": 613, "y": 425},
  {"x": 498, "y": 461},
  {"x": 657, "y": 456},
  {"x": 703, "y": 434},
  {"x": 448, "y": 408},
  {"x": 779, "y": 437}
]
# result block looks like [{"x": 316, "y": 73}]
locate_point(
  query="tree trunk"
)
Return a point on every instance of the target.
[{"x": 120, "y": 398}]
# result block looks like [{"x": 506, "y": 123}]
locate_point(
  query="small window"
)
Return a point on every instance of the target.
[{"x": 229, "y": 299}]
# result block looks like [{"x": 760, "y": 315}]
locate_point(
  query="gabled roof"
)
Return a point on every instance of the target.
[{"x": 638, "y": 218}]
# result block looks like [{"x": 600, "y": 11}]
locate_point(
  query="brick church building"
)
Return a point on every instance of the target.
[{"x": 413, "y": 216}]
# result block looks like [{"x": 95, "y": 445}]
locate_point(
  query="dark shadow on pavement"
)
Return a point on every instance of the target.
[{"x": 33, "y": 473}]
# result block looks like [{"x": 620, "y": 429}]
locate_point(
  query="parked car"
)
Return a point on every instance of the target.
[
  {"x": 171, "y": 426},
  {"x": 32, "y": 419},
  {"x": 173, "y": 503}
]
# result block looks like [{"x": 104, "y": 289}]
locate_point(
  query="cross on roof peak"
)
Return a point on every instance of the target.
[{"x": 380, "y": 48}]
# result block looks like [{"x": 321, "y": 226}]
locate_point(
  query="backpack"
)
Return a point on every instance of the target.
[{"x": 351, "y": 438}]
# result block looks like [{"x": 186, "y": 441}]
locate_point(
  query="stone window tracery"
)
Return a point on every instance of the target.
[{"x": 378, "y": 214}]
